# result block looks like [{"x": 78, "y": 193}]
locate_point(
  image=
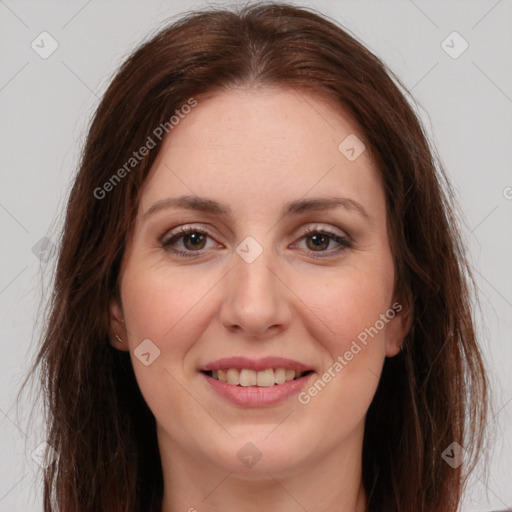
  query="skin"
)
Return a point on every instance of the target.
[{"x": 254, "y": 151}]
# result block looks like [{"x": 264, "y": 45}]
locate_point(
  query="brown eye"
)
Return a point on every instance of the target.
[
  {"x": 196, "y": 240},
  {"x": 192, "y": 240},
  {"x": 318, "y": 241}
]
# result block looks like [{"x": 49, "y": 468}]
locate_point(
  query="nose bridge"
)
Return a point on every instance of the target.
[
  {"x": 256, "y": 299},
  {"x": 254, "y": 277}
]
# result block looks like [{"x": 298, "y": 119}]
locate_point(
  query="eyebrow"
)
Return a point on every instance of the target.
[{"x": 203, "y": 204}]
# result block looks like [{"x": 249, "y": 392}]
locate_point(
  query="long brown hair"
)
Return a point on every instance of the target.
[{"x": 432, "y": 394}]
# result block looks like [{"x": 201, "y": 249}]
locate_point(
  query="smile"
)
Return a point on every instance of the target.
[{"x": 264, "y": 378}]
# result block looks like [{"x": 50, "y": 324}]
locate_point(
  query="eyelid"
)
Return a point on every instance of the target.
[
  {"x": 184, "y": 229},
  {"x": 314, "y": 228},
  {"x": 200, "y": 228}
]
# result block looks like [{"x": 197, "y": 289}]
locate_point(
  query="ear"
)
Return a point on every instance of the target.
[
  {"x": 117, "y": 326},
  {"x": 398, "y": 327}
]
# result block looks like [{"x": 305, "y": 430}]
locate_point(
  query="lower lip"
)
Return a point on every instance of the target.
[{"x": 255, "y": 396}]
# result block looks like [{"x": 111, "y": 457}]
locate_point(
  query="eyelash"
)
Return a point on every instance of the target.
[{"x": 345, "y": 242}]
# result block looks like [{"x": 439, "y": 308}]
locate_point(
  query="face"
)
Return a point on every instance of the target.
[{"x": 264, "y": 275}]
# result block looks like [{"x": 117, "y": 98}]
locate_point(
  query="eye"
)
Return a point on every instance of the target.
[
  {"x": 193, "y": 240},
  {"x": 319, "y": 239}
]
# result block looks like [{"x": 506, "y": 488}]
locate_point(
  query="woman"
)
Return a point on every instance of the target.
[{"x": 261, "y": 299}]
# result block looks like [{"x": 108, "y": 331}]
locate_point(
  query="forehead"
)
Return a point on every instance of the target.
[{"x": 267, "y": 145}]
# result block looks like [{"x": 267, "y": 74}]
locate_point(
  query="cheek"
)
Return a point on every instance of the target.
[
  {"x": 168, "y": 309},
  {"x": 347, "y": 323},
  {"x": 346, "y": 304},
  {"x": 165, "y": 306}
]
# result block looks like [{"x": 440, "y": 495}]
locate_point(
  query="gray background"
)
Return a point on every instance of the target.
[{"x": 46, "y": 104}]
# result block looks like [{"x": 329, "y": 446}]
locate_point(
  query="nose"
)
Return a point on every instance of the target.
[{"x": 256, "y": 300}]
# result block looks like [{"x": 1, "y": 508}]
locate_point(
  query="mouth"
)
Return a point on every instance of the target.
[
  {"x": 248, "y": 388},
  {"x": 246, "y": 377},
  {"x": 253, "y": 383}
]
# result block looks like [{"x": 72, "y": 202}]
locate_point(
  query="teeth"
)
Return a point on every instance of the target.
[
  {"x": 248, "y": 377},
  {"x": 233, "y": 376},
  {"x": 263, "y": 378},
  {"x": 289, "y": 375},
  {"x": 279, "y": 375}
]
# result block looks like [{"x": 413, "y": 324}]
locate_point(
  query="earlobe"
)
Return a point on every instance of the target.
[
  {"x": 398, "y": 328},
  {"x": 117, "y": 328}
]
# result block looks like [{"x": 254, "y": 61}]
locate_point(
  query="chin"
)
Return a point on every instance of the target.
[{"x": 251, "y": 456}]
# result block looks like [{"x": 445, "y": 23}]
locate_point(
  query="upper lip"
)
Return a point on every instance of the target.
[{"x": 255, "y": 364}]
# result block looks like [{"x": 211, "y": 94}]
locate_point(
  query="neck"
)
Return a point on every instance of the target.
[{"x": 329, "y": 482}]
